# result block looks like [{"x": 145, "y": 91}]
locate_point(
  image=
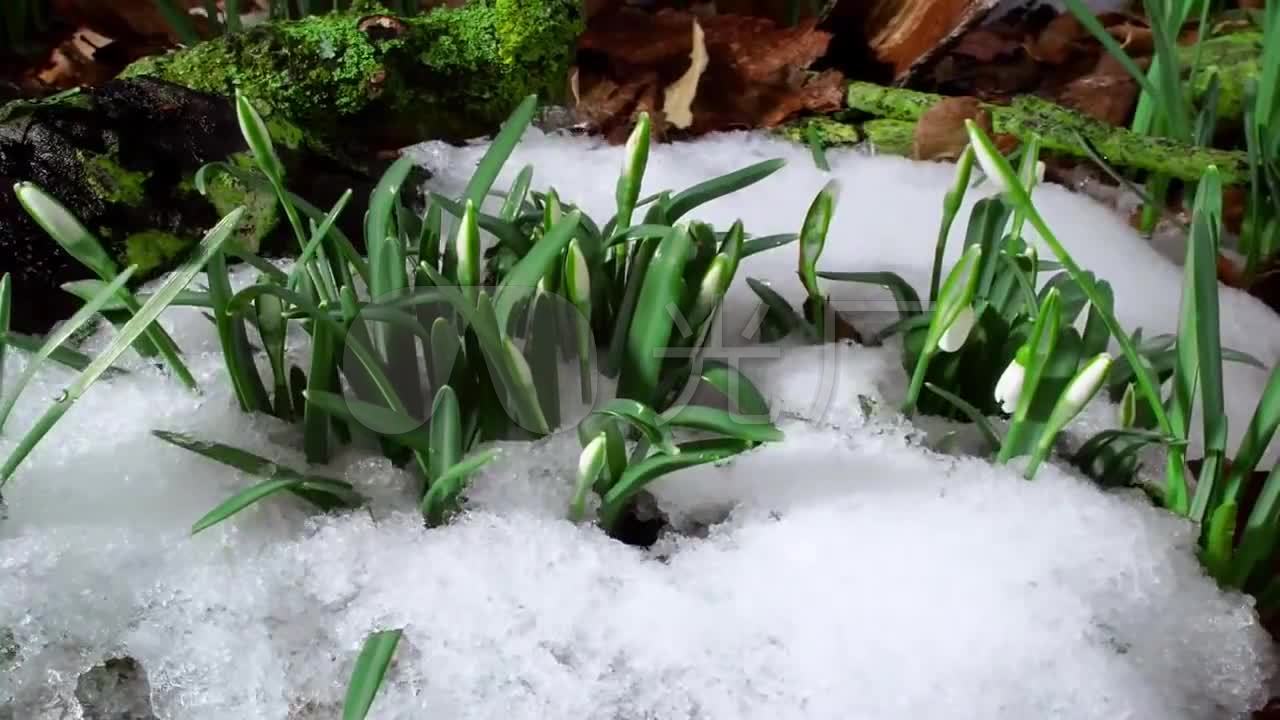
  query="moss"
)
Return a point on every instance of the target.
[
  {"x": 113, "y": 183},
  {"x": 262, "y": 212},
  {"x": 448, "y": 72},
  {"x": 889, "y": 136},
  {"x": 831, "y": 131},
  {"x": 152, "y": 250},
  {"x": 1234, "y": 59}
]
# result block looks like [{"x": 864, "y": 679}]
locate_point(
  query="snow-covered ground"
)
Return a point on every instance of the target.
[{"x": 860, "y": 575}]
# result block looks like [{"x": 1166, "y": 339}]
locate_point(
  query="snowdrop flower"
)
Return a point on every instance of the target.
[
  {"x": 1127, "y": 413},
  {"x": 1085, "y": 384},
  {"x": 994, "y": 165},
  {"x": 958, "y": 331},
  {"x": 577, "y": 278},
  {"x": 1039, "y": 171},
  {"x": 1009, "y": 387}
]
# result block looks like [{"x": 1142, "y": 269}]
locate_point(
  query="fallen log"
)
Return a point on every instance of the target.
[{"x": 1059, "y": 130}]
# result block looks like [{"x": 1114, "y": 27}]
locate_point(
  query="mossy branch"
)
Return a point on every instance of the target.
[{"x": 1056, "y": 127}]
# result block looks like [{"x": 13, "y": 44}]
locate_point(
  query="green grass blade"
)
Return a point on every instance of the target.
[
  {"x": 974, "y": 415},
  {"x": 904, "y": 295},
  {"x": 637, "y": 476},
  {"x": 6, "y": 311},
  {"x": 780, "y": 311},
  {"x": 639, "y": 416},
  {"x": 366, "y": 677},
  {"x": 523, "y": 279},
  {"x": 398, "y": 427},
  {"x": 745, "y": 398},
  {"x": 71, "y": 234},
  {"x": 515, "y": 197},
  {"x": 178, "y": 21},
  {"x": 723, "y": 422},
  {"x": 232, "y": 10},
  {"x": 321, "y": 379},
  {"x": 324, "y": 493},
  {"x": 767, "y": 242},
  {"x": 499, "y": 150},
  {"x": 138, "y": 324},
  {"x": 1261, "y": 532},
  {"x": 442, "y": 500},
  {"x": 1257, "y": 437},
  {"x": 951, "y": 203},
  {"x": 1199, "y": 344},
  {"x": 236, "y": 352},
  {"x": 54, "y": 339},
  {"x": 446, "y": 432},
  {"x": 1090, "y": 22},
  {"x": 651, "y": 326},
  {"x": 705, "y": 192},
  {"x": 815, "y": 147},
  {"x": 591, "y": 466}
]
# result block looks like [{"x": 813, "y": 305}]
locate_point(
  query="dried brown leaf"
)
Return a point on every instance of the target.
[{"x": 940, "y": 133}]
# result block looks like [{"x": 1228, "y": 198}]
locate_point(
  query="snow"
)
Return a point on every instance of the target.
[{"x": 850, "y": 571}]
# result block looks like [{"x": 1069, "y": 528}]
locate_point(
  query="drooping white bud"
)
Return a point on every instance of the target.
[
  {"x": 1009, "y": 387},
  {"x": 958, "y": 331}
]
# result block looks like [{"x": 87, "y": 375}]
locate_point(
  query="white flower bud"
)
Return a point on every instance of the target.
[
  {"x": 958, "y": 331},
  {"x": 1009, "y": 387}
]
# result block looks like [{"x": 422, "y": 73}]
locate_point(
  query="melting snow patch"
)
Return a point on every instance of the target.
[{"x": 848, "y": 571}]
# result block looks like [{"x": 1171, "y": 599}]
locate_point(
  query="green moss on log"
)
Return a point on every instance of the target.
[
  {"x": 112, "y": 182},
  {"x": 831, "y": 132},
  {"x": 1058, "y": 129},
  {"x": 1234, "y": 59},
  {"x": 892, "y": 137},
  {"x": 452, "y": 72}
]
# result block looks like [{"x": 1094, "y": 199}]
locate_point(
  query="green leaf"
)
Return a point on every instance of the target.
[
  {"x": 904, "y": 295},
  {"x": 324, "y": 493},
  {"x": 813, "y": 237},
  {"x": 366, "y": 677},
  {"x": 780, "y": 312},
  {"x": 1039, "y": 351},
  {"x": 723, "y": 422},
  {"x": 1258, "y": 541},
  {"x": 64, "y": 228},
  {"x": 635, "y": 158},
  {"x": 515, "y": 198},
  {"x": 1259, "y": 435},
  {"x": 54, "y": 339},
  {"x": 393, "y": 425},
  {"x": 950, "y": 208},
  {"x": 1199, "y": 343},
  {"x": 705, "y": 192},
  {"x": 258, "y": 138},
  {"x": 137, "y": 325},
  {"x": 649, "y": 336},
  {"x": 637, "y": 415},
  {"x": 523, "y": 279},
  {"x": 446, "y": 432},
  {"x": 6, "y": 311},
  {"x": 591, "y": 464},
  {"x": 442, "y": 500},
  {"x": 743, "y": 395},
  {"x": 637, "y": 476},
  {"x": 768, "y": 242},
  {"x": 974, "y": 415},
  {"x": 499, "y": 150}
]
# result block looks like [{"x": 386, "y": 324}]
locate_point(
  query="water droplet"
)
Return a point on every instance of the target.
[{"x": 62, "y": 397}]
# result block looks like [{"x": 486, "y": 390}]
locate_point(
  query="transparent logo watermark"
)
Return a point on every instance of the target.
[{"x": 401, "y": 348}]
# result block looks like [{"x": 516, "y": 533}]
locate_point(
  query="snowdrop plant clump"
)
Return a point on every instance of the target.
[{"x": 420, "y": 458}]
